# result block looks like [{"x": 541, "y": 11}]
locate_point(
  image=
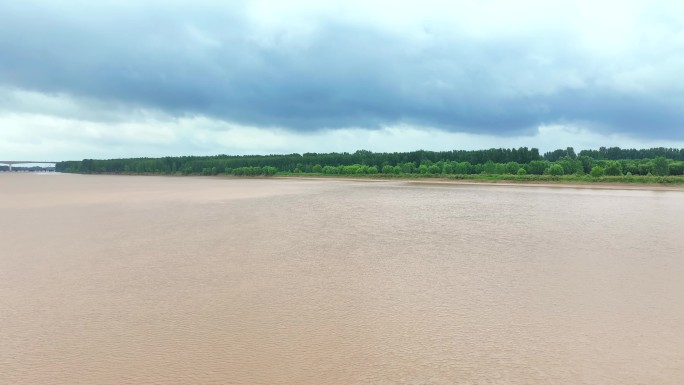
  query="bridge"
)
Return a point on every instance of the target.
[{"x": 10, "y": 163}]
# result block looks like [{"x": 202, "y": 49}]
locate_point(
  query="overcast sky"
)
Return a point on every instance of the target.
[{"x": 102, "y": 79}]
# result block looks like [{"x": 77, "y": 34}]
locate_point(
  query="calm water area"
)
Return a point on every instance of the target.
[{"x": 185, "y": 280}]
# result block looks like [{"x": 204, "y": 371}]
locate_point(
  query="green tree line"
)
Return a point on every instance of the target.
[{"x": 521, "y": 161}]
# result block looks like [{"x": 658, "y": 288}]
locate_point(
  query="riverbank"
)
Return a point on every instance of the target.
[
  {"x": 665, "y": 183},
  {"x": 607, "y": 183}
]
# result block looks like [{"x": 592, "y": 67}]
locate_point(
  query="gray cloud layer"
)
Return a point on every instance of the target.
[{"x": 325, "y": 71}]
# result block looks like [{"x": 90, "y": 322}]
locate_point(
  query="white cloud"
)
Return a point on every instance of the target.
[
  {"x": 43, "y": 137},
  {"x": 177, "y": 77}
]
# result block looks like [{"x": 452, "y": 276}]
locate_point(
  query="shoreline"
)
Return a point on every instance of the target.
[
  {"x": 502, "y": 183},
  {"x": 598, "y": 185}
]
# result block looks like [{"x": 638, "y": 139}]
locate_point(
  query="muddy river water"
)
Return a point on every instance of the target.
[{"x": 182, "y": 280}]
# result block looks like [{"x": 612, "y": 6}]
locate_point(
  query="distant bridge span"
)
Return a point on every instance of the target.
[{"x": 10, "y": 163}]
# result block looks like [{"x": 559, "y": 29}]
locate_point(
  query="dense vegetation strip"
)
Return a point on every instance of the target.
[{"x": 655, "y": 165}]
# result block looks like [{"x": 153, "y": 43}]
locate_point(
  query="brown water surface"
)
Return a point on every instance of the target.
[{"x": 162, "y": 280}]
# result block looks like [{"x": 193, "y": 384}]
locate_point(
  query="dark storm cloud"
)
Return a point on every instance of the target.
[{"x": 209, "y": 60}]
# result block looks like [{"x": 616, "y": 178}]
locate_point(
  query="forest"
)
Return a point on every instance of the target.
[{"x": 664, "y": 165}]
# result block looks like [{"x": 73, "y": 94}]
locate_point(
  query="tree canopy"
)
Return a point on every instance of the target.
[{"x": 496, "y": 161}]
